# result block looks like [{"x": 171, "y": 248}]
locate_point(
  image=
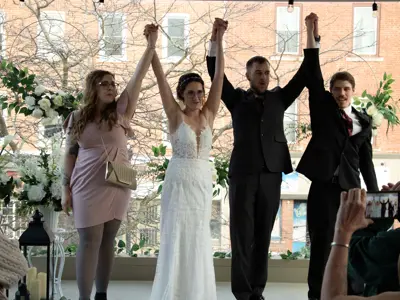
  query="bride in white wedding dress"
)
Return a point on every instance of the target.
[{"x": 185, "y": 268}]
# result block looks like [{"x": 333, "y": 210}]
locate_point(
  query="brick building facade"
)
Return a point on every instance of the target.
[{"x": 352, "y": 39}]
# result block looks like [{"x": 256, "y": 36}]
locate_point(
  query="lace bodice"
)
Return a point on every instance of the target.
[{"x": 186, "y": 143}]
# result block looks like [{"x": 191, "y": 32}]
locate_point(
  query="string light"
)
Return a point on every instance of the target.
[
  {"x": 374, "y": 10},
  {"x": 290, "y": 7}
]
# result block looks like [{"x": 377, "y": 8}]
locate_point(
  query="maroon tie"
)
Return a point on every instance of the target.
[{"x": 348, "y": 121}]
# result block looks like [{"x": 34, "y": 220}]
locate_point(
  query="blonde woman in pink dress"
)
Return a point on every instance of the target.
[{"x": 98, "y": 207}]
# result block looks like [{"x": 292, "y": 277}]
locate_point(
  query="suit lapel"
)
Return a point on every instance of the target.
[
  {"x": 365, "y": 122},
  {"x": 363, "y": 118}
]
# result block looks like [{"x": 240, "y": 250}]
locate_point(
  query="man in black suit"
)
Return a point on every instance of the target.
[
  {"x": 259, "y": 157},
  {"x": 339, "y": 149},
  {"x": 384, "y": 207}
]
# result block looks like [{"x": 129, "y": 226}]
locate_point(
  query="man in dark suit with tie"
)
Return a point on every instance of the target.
[
  {"x": 384, "y": 207},
  {"x": 260, "y": 155},
  {"x": 339, "y": 149}
]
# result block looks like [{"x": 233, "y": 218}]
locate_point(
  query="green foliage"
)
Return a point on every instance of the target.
[
  {"x": 382, "y": 101},
  {"x": 23, "y": 85},
  {"x": 6, "y": 190},
  {"x": 220, "y": 255},
  {"x": 71, "y": 249},
  {"x": 120, "y": 246},
  {"x": 305, "y": 252},
  {"x": 289, "y": 255},
  {"x": 222, "y": 181},
  {"x": 158, "y": 168}
]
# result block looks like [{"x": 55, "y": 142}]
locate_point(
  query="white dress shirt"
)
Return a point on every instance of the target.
[{"x": 356, "y": 123}]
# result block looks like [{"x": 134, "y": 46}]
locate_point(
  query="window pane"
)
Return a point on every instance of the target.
[
  {"x": 113, "y": 35},
  {"x": 365, "y": 31},
  {"x": 290, "y": 131},
  {"x": 290, "y": 122},
  {"x": 150, "y": 235},
  {"x": 113, "y": 46},
  {"x": 1, "y": 33},
  {"x": 176, "y": 28},
  {"x": 299, "y": 225},
  {"x": 53, "y": 25},
  {"x": 287, "y": 21},
  {"x": 113, "y": 26},
  {"x": 288, "y": 30},
  {"x": 176, "y": 46},
  {"x": 291, "y": 112},
  {"x": 288, "y": 41},
  {"x": 276, "y": 230},
  {"x": 215, "y": 222}
]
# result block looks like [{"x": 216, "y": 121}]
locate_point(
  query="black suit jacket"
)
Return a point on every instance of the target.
[
  {"x": 330, "y": 146},
  {"x": 259, "y": 139}
]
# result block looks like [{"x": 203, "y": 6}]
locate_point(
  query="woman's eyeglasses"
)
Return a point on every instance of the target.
[{"x": 107, "y": 84}]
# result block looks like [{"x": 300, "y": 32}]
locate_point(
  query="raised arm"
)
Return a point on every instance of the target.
[
  {"x": 127, "y": 102},
  {"x": 171, "y": 107},
  {"x": 315, "y": 80},
  {"x": 229, "y": 94},
  {"x": 309, "y": 66},
  {"x": 212, "y": 104}
]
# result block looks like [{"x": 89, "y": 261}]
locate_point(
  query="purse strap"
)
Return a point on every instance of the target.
[{"x": 105, "y": 149}]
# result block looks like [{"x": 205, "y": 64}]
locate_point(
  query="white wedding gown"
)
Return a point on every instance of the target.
[{"x": 185, "y": 268}]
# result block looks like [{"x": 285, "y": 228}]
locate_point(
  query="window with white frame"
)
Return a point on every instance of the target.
[
  {"x": 176, "y": 37},
  {"x": 290, "y": 122},
  {"x": 51, "y": 31},
  {"x": 10, "y": 223},
  {"x": 113, "y": 42},
  {"x": 150, "y": 235},
  {"x": 365, "y": 33},
  {"x": 287, "y": 30},
  {"x": 2, "y": 35},
  {"x": 215, "y": 222},
  {"x": 165, "y": 129},
  {"x": 276, "y": 233},
  {"x": 152, "y": 214}
]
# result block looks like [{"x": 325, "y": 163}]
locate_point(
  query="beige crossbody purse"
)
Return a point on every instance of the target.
[{"x": 119, "y": 173}]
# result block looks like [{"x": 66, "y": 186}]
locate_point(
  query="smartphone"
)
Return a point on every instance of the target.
[{"x": 382, "y": 205}]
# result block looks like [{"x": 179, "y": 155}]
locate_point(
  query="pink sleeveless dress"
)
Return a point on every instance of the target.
[{"x": 94, "y": 200}]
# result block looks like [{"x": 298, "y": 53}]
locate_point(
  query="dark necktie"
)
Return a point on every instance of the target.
[{"x": 348, "y": 121}]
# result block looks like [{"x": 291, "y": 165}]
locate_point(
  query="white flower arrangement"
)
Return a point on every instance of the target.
[
  {"x": 376, "y": 115},
  {"x": 379, "y": 106},
  {"x": 38, "y": 101},
  {"x": 41, "y": 178},
  {"x": 44, "y": 104}
]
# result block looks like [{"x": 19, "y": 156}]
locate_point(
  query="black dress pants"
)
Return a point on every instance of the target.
[{"x": 254, "y": 202}]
